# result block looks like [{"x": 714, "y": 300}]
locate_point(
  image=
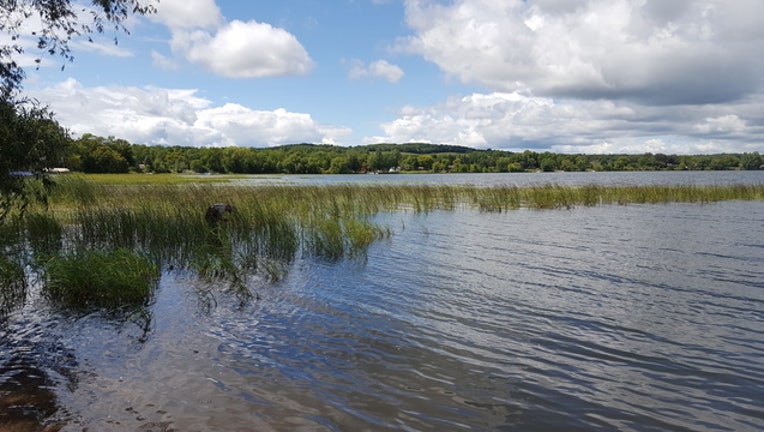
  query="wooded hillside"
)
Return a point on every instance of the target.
[{"x": 104, "y": 155}]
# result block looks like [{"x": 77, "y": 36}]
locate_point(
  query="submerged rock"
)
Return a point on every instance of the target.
[{"x": 217, "y": 213}]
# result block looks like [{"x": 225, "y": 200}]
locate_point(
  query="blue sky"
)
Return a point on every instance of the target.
[{"x": 591, "y": 76}]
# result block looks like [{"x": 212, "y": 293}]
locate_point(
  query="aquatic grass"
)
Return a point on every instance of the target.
[
  {"x": 275, "y": 224},
  {"x": 133, "y": 179},
  {"x": 657, "y": 194},
  {"x": 590, "y": 195},
  {"x": 496, "y": 199},
  {"x": 45, "y": 234},
  {"x": 14, "y": 258},
  {"x": 179, "y": 210},
  {"x": 326, "y": 239},
  {"x": 335, "y": 238},
  {"x": 549, "y": 197},
  {"x": 109, "y": 279},
  {"x": 361, "y": 234},
  {"x": 74, "y": 189},
  {"x": 215, "y": 261},
  {"x": 12, "y": 284}
]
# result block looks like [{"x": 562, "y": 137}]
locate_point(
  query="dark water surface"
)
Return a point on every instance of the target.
[{"x": 634, "y": 318}]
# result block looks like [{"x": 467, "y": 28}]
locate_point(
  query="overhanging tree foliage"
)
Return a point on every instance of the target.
[
  {"x": 30, "y": 139},
  {"x": 53, "y": 24},
  {"x": 30, "y": 142}
]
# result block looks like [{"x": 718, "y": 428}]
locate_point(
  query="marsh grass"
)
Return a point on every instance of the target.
[
  {"x": 158, "y": 179},
  {"x": 333, "y": 222},
  {"x": 74, "y": 188},
  {"x": 13, "y": 260},
  {"x": 12, "y": 285},
  {"x": 45, "y": 234},
  {"x": 101, "y": 278},
  {"x": 164, "y": 225}
]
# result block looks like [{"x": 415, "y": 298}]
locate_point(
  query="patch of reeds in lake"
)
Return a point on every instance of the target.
[
  {"x": 87, "y": 278},
  {"x": 12, "y": 284},
  {"x": 164, "y": 227}
]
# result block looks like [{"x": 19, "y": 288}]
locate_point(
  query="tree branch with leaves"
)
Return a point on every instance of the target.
[{"x": 53, "y": 24}]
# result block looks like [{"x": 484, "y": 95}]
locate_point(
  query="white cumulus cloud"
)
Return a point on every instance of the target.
[
  {"x": 518, "y": 121},
  {"x": 186, "y": 14},
  {"x": 154, "y": 115},
  {"x": 254, "y": 128},
  {"x": 726, "y": 124},
  {"x": 651, "y": 51},
  {"x": 245, "y": 50},
  {"x": 377, "y": 69},
  {"x": 590, "y": 76},
  {"x": 163, "y": 62},
  {"x": 235, "y": 49}
]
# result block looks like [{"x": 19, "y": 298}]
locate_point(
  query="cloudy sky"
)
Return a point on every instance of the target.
[{"x": 591, "y": 76}]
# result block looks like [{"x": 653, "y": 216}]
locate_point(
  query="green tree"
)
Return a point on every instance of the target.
[
  {"x": 530, "y": 159},
  {"x": 751, "y": 161},
  {"x": 30, "y": 141},
  {"x": 458, "y": 166},
  {"x": 425, "y": 162},
  {"x": 723, "y": 162},
  {"x": 391, "y": 159},
  {"x": 104, "y": 159},
  {"x": 372, "y": 161},
  {"x": 439, "y": 166},
  {"x": 503, "y": 163},
  {"x": 581, "y": 163},
  {"x": 339, "y": 165},
  {"x": 124, "y": 148},
  {"x": 548, "y": 162},
  {"x": 409, "y": 163},
  {"x": 354, "y": 161},
  {"x": 175, "y": 161}
]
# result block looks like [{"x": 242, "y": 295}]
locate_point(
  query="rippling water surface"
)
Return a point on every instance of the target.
[
  {"x": 611, "y": 178},
  {"x": 641, "y": 318}
]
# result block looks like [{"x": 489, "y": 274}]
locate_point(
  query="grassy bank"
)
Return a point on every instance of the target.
[
  {"x": 164, "y": 225},
  {"x": 153, "y": 179}
]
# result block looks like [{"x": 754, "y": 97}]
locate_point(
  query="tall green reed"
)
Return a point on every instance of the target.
[
  {"x": 274, "y": 225},
  {"x": 100, "y": 278},
  {"x": 12, "y": 284}
]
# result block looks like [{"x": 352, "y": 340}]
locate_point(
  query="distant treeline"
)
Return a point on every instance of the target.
[{"x": 93, "y": 154}]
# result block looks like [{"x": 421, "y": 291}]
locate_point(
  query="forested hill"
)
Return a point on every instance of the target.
[
  {"x": 413, "y": 148},
  {"x": 103, "y": 155},
  {"x": 420, "y": 148}
]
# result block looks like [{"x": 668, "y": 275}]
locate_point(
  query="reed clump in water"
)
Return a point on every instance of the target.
[
  {"x": 558, "y": 197},
  {"x": 13, "y": 280},
  {"x": 12, "y": 285},
  {"x": 281, "y": 221},
  {"x": 101, "y": 278}
]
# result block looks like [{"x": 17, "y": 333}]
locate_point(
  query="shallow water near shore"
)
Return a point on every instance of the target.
[{"x": 639, "y": 317}]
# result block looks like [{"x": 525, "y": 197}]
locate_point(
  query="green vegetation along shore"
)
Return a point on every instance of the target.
[
  {"x": 92, "y": 154},
  {"x": 94, "y": 221}
]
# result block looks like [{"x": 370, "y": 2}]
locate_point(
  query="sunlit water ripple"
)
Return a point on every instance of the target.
[{"x": 635, "y": 318}]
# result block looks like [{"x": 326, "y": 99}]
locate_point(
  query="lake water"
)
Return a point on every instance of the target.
[
  {"x": 633, "y": 318},
  {"x": 526, "y": 179}
]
